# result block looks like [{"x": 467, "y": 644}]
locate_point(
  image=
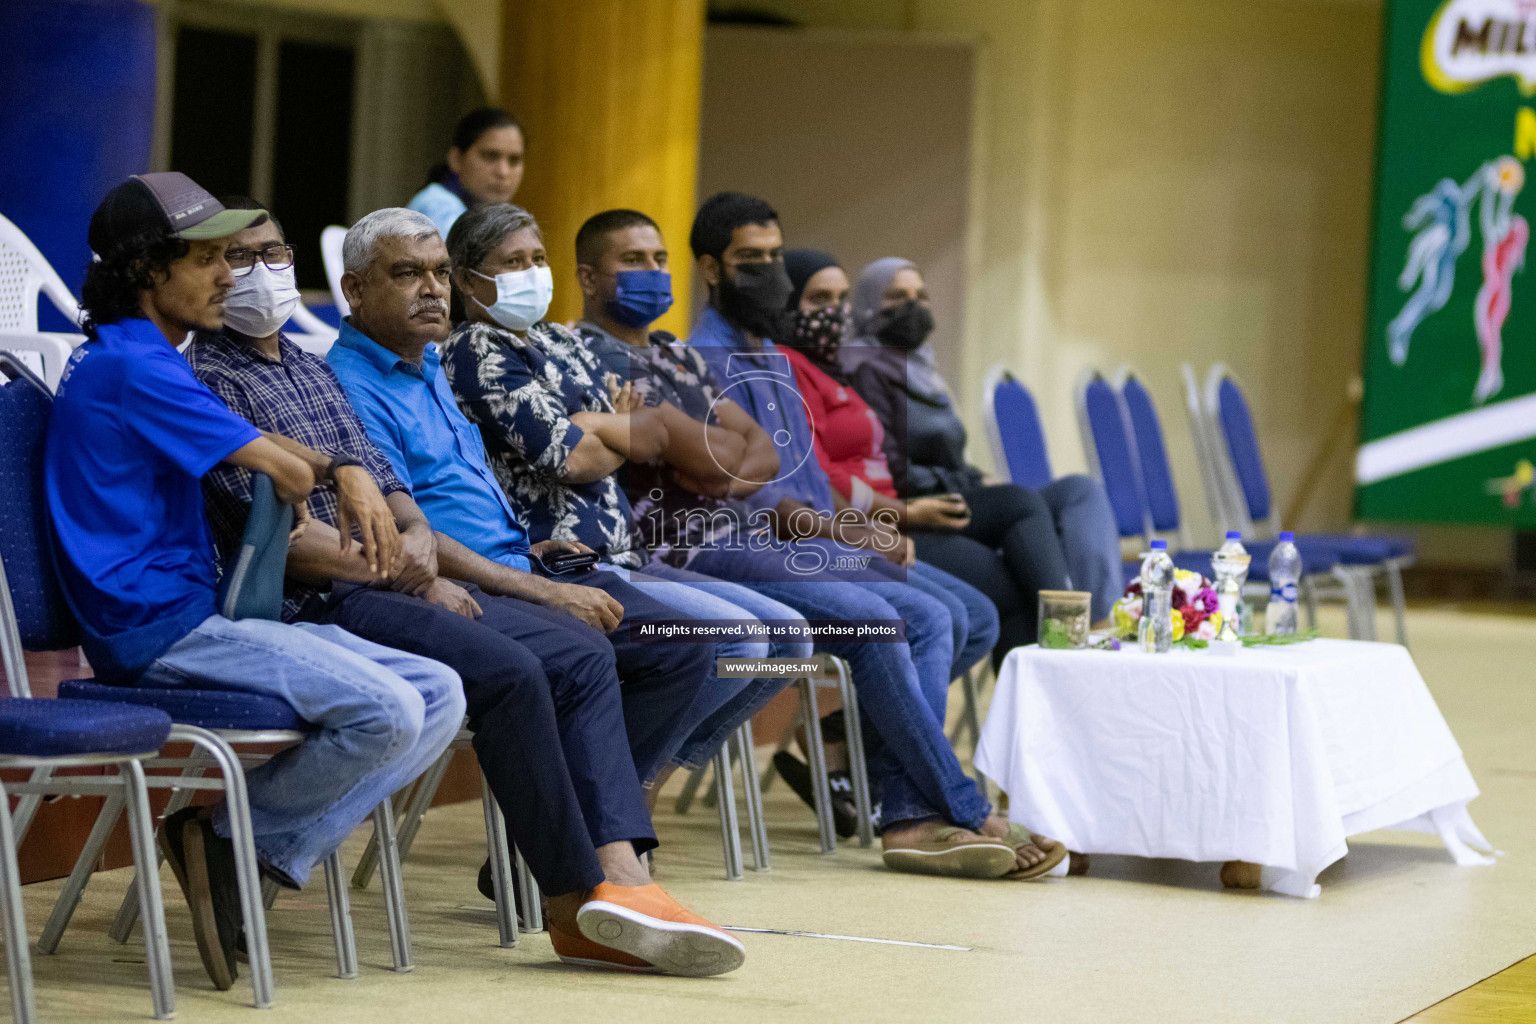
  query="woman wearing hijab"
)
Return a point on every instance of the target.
[{"x": 1013, "y": 542}]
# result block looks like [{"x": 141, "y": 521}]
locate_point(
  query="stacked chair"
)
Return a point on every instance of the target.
[
  {"x": 1320, "y": 568},
  {"x": 1124, "y": 443},
  {"x": 1243, "y": 499},
  {"x": 24, "y": 274}
]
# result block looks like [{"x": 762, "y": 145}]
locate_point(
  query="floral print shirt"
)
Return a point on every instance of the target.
[{"x": 521, "y": 394}]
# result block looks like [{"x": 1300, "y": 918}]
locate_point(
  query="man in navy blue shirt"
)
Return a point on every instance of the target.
[{"x": 132, "y": 432}]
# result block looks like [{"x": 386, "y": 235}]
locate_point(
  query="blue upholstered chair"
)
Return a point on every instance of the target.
[
  {"x": 1240, "y": 465},
  {"x": 1013, "y": 426},
  {"x": 56, "y": 734},
  {"x": 44, "y": 735},
  {"x": 209, "y": 721},
  {"x": 1322, "y": 573},
  {"x": 1109, "y": 444}
]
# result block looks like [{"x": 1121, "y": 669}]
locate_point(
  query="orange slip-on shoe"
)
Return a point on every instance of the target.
[
  {"x": 580, "y": 951},
  {"x": 645, "y": 922}
]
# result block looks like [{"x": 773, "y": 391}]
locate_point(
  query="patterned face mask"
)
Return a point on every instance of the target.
[{"x": 821, "y": 332}]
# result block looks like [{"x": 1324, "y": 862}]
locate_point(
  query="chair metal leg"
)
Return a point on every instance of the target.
[
  {"x": 689, "y": 791},
  {"x": 340, "y": 904},
  {"x": 69, "y": 899},
  {"x": 238, "y": 802},
  {"x": 752, "y": 796},
  {"x": 410, "y": 805},
  {"x": 1308, "y": 603},
  {"x": 28, "y": 803},
  {"x": 858, "y": 763},
  {"x": 417, "y": 806},
  {"x": 128, "y": 911},
  {"x": 730, "y": 835},
  {"x": 18, "y": 957},
  {"x": 141, "y": 833},
  {"x": 394, "y": 888},
  {"x": 501, "y": 873},
  {"x": 816, "y": 755},
  {"x": 1394, "y": 571},
  {"x": 533, "y": 912}
]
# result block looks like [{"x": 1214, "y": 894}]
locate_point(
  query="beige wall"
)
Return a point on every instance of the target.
[
  {"x": 1161, "y": 181},
  {"x": 855, "y": 161}
]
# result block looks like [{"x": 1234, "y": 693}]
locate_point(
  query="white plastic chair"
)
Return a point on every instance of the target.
[
  {"x": 317, "y": 336},
  {"x": 23, "y": 274},
  {"x": 330, "y": 252}
]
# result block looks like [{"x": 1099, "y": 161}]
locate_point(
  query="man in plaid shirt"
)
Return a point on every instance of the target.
[{"x": 542, "y": 688}]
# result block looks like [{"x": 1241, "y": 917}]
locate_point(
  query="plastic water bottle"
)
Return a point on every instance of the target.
[
  {"x": 1230, "y": 553},
  {"x": 1155, "y": 631},
  {"x": 1284, "y": 573}
]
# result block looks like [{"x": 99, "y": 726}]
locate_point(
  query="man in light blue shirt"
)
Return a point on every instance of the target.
[
  {"x": 387, "y": 361},
  {"x": 412, "y": 417}
]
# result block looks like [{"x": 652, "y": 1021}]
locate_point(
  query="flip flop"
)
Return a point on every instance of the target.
[
  {"x": 980, "y": 858},
  {"x": 1019, "y": 836}
]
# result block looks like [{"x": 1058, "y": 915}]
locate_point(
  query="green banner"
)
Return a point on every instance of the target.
[{"x": 1448, "y": 427}]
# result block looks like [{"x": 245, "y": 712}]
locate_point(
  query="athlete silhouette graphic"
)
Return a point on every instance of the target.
[
  {"x": 1505, "y": 235},
  {"x": 1442, "y": 219}
]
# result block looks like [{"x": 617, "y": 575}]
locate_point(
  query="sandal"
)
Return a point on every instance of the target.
[
  {"x": 980, "y": 858},
  {"x": 1019, "y": 836}
]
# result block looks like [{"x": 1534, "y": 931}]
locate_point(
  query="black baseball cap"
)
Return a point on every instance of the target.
[{"x": 163, "y": 201}]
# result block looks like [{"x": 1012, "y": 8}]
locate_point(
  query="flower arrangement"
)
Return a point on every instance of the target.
[{"x": 1195, "y": 608}]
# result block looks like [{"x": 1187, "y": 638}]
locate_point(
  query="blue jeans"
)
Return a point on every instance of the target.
[
  {"x": 723, "y": 704},
  {"x": 1089, "y": 538},
  {"x": 903, "y": 687},
  {"x": 381, "y": 718},
  {"x": 973, "y": 616}
]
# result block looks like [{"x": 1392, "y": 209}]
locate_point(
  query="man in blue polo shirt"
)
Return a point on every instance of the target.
[
  {"x": 131, "y": 434},
  {"x": 387, "y": 360}
]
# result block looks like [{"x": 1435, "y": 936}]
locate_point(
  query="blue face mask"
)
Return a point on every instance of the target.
[{"x": 641, "y": 297}]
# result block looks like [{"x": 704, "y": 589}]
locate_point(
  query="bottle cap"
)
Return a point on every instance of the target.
[
  {"x": 1159, "y": 545},
  {"x": 1234, "y": 535},
  {"x": 1287, "y": 537}
]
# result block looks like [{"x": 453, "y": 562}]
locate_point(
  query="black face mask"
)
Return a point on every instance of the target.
[
  {"x": 753, "y": 296},
  {"x": 820, "y": 332},
  {"x": 905, "y": 326}
]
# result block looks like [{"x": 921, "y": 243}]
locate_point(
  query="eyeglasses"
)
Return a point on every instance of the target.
[{"x": 276, "y": 256}]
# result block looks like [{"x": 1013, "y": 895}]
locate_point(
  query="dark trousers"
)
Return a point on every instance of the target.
[
  {"x": 661, "y": 677},
  {"x": 1010, "y": 552},
  {"x": 545, "y": 704}
]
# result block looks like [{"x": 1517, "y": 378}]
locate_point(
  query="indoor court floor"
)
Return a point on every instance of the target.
[{"x": 1399, "y": 929}]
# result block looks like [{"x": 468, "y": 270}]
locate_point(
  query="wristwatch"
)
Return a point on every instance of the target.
[{"x": 339, "y": 461}]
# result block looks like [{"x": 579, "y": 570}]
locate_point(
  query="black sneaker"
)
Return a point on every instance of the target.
[
  {"x": 795, "y": 772},
  {"x": 487, "y": 887},
  {"x": 204, "y": 865}
]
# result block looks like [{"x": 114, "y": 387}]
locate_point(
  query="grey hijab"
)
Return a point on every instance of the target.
[{"x": 921, "y": 371}]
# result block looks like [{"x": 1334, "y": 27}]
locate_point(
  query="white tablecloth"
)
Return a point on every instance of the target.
[{"x": 1273, "y": 755}]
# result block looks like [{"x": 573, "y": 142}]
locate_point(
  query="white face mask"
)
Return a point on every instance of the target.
[
  {"x": 522, "y": 297},
  {"x": 261, "y": 301}
]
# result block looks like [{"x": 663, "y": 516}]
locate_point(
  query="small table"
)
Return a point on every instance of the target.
[{"x": 1272, "y": 755}]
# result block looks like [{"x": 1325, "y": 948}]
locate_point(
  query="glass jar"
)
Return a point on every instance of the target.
[{"x": 1064, "y": 619}]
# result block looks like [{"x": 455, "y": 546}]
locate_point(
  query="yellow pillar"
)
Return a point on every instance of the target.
[{"x": 608, "y": 94}]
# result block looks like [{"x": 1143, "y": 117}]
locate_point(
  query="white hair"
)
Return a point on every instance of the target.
[{"x": 357, "y": 249}]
